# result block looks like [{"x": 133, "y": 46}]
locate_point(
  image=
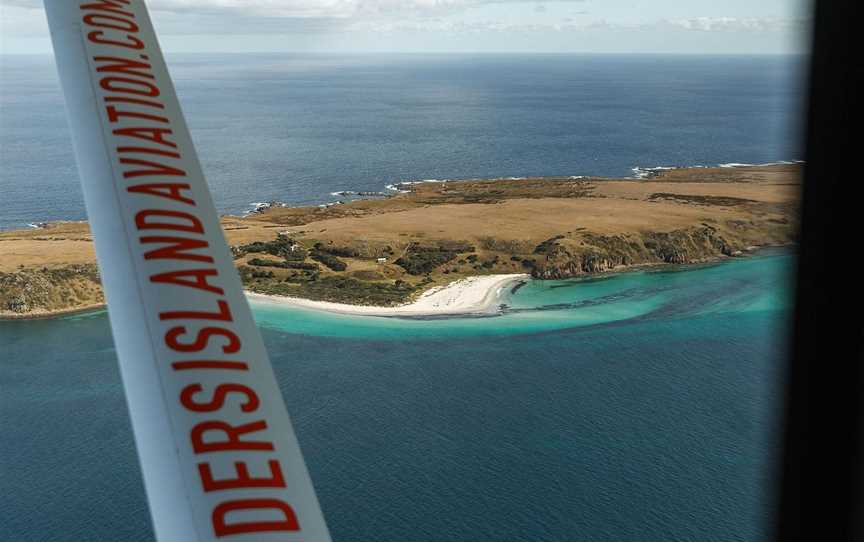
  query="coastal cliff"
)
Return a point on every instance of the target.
[
  {"x": 386, "y": 251},
  {"x": 566, "y": 257},
  {"x": 46, "y": 291}
]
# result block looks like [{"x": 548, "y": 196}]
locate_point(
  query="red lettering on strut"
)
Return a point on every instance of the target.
[
  {"x": 172, "y": 339},
  {"x": 143, "y": 221},
  {"x": 243, "y": 480},
  {"x": 147, "y": 134},
  {"x": 130, "y": 91},
  {"x": 147, "y": 150},
  {"x": 222, "y": 528},
  {"x": 115, "y": 115},
  {"x": 126, "y": 66},
  {"x": 177, "y": 248},
  {"x": 224, "y": 314},
  {"x": 219, "y": 397},
  {"x": 208, "y": 364},
  {"x": 99, "y": 20},
  {"x": 127, "y": 100},
  {"x": 233, "y": 440},
  {"x": 127, "y": 85},
  {"x": 133, "y": 43},
  {"x": 156, "y": 169},
  {"x": 163, "y": 190},
  {"x": 199, "y": 282}
]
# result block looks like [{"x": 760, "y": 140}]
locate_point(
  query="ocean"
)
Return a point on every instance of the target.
[
  {"x": 638, "y": 406},
  {"x": 635, "y": 406},
  {"x": 297, "y": 128}
]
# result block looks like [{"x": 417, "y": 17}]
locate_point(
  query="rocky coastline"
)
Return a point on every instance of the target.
[{"x": 389, "y": 252}]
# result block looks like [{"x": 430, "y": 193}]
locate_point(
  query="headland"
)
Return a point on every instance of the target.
[{"x": 447, "y": 247}]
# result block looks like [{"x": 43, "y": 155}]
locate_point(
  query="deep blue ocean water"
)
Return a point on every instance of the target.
[
  {"x": 639, "y": 406},
  {"x": 296, "y": 128}
]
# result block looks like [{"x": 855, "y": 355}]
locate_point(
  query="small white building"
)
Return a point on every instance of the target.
[{"x": 382, "y": 260}]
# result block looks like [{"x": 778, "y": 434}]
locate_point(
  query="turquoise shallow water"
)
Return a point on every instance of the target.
[
  {"x": 638, "y": 406},
  {"x": 549, "y": 305}
]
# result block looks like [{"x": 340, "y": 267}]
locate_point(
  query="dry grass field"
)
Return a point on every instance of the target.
[{"x": 437, "y": 232}]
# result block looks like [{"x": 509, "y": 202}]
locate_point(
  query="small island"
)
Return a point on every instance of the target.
[{"x": 446, "y": 247}]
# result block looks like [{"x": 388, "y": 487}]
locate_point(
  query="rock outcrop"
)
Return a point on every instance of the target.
[
  {"x": 31, "y": 291},
  {"x": 564, "y": 257}
]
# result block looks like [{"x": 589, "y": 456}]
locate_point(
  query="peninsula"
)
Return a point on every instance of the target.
[{"x": 420, "y": 249}]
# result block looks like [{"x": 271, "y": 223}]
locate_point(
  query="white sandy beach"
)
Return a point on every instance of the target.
[{"x": 466, "y": 296}]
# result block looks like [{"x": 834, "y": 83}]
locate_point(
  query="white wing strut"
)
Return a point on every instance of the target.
[{"x": 218, "y": 453}]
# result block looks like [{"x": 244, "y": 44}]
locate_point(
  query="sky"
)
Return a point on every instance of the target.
[{"x": 585, "y": 26}]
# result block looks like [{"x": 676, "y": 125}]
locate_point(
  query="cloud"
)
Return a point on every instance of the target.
[
  {"x": 451, "y": 26},
  {"x": 307, "y": 8},
  {"x": 570, "y": 24},
  {"x": 314, "y": 16},
  {"x": 273, "y": 17},
  {"x": 423, "y": 24},
  {"x": 734, "y": 24}
]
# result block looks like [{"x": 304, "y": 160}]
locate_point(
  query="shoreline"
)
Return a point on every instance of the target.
[
  {"x": 472, "y": 295},
  {"x": 640, "y": 173},
  {"x": 477, "y": 294},
  {"x": 48, "y": 315},
  {"x": 470, "y": 239}
]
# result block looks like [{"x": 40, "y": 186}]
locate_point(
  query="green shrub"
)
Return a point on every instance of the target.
[
  {"x": 544, "y": 247},
  {"x": 330, "y": 261},
  {"x": 489, "y": 264},
  {"x": 248, "y": 274},
  {"x": 260, "y": 262},
  {"x": 301, "y": 265},
  {"x": 342, "y": 289},
  {"x": 335, "y": 250},
  {"x": 420, "y": 259},
  {"x": 281, "y": 246}
]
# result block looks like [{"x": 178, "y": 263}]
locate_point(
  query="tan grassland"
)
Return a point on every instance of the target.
[{"x": 440, "y": 232}]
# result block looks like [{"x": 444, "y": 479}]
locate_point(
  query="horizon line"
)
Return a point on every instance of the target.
[{"x": 383, "y": 52}]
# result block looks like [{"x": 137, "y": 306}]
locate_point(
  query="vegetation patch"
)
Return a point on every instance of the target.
[
  {"x": 49, "y": 289},
  {"x": 342, "y": 289},
  {"x": 366, "y": 274},
  {"x": 250, "y": 274},
  {"x": 282, "y": 246},
  {"x": 513, "y": 246},
  {"x": 544, "y": 247},
  {"x": 336, "y": 250},
  {"x": 723, "y": 201},
  {"x": 329, "y": 260},
  {"x": 260, "y": 262},
  {"x": 420, "y": 259}
]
